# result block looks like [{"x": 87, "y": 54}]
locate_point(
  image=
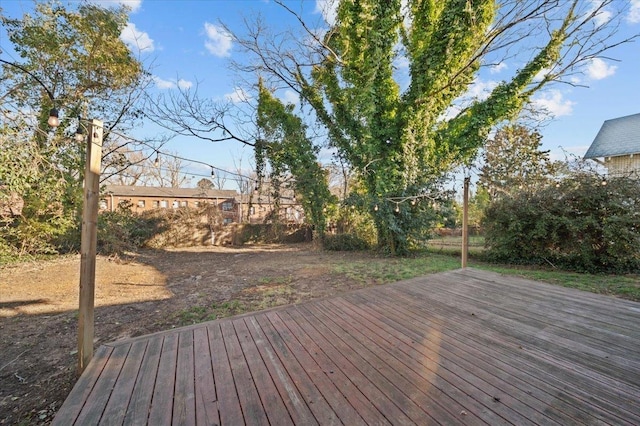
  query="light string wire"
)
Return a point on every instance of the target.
[{"x": 157, "y": 151}]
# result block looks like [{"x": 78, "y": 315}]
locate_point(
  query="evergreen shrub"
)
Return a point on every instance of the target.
[{"x": 582, "y": 223}]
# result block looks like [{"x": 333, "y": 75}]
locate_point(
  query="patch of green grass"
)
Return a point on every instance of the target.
[
  {"x": 625, "y": 286},
  {"x": 385, "y": 270},
  {"x": 453, "y": 245}
]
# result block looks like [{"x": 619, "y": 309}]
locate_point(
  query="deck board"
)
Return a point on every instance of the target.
[
  {"x": 482, "y": 361},
  {"x": 462, "y": 347}
]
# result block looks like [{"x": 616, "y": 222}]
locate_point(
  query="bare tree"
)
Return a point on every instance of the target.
[
  {"x": 184, "y": 112},
  {"x": 166, "y": 171}
]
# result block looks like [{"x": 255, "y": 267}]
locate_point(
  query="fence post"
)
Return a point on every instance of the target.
[
  {"x": 89, "y": 244},
  {"x": 465, "y": 223}
]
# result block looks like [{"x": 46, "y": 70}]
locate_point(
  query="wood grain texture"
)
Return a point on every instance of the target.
[{"x": 463, "y": 347}]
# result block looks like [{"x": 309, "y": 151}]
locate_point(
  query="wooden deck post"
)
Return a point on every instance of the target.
[
  {"x": 89, "y": 244},
  {"x": 465, "y": 223}
]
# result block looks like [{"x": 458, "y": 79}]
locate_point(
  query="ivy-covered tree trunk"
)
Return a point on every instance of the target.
[{"x": 284, "y": 150}]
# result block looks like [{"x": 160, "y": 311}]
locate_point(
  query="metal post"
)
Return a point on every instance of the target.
[
  {"x": 89, "y": 244},
  {"x": 465, "y": 223}
]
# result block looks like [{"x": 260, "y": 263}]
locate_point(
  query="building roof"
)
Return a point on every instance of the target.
[
  {"x": 619, "y": 136},
  {"x": 154, "y": 191}
]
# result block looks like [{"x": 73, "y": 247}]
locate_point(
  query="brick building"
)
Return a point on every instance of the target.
[
  {"x": 143, "y": 198},
  {"x": 234, "y": 207}
]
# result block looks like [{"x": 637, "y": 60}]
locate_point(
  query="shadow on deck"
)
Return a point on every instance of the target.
[{"x": 461, "y": 347}]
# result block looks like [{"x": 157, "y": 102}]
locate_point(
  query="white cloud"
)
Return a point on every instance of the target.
[
  {"x": 541, "y": 74},
  {"x": 219, "y": 42},
  {"x": 554, "y": 103},
  {"x": 450, "y": 113},
  {"x": 574, "y": 79},
  {"x": 598, "y": 69},
  {"x": 238, "y": 95},
  {"x": 480, "y": 89},
  {"x": 163, "y": 84},
  {"x": 184, "y": 84},
  {"x": 134, "y": 5},
  {"x": 634, "y": 12},
  {"x": 328, "y": 9},
  {"x": 405, "y": 9},
  {"x": 290, "y": 97},
  {"x": 135, "y": 39},
  {"x": 603, "y": 16},
  {"x": 494, "y": 69}
]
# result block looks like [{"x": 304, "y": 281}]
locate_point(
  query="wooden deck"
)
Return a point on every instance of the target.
[{"x": 462, "y": 347}]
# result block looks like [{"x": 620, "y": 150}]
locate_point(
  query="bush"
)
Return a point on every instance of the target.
[
  {"x": 344, "y": 242},
  {"x": 122, "y": 230},
  {"x": 268, "y": 233},
  {"x": 583, "y": 223}
]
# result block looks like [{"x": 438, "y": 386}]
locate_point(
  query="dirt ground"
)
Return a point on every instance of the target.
[{"x": 148, "y": 292}]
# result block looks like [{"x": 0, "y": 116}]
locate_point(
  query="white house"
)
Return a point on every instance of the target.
[{"x": 617, "y": 146}]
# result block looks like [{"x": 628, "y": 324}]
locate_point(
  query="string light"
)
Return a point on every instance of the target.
[
  {"x": 79, "y": 132},
  {"x": 53, "y": 120},
  {"x": 167, "y": 154}
]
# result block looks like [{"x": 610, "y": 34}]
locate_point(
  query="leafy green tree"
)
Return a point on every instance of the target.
[
  {"x": 478, "y": 203},
  {"x": 286, "y": 149},
  {"x": 394, "y": 136},
  {"x": 513, "y": 161},
  {"x": 71, "y": 59}
]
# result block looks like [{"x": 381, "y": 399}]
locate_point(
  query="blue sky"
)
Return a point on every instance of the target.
[{"x": 185, "y": 45}]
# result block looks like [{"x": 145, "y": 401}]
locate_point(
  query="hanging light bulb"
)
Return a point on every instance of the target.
[
  {"x": 53, "y": 120},
  {"x": 212, "y": 173},
  {"x": 375, "y": 208},
  {"x": 397, "y": 208},
  {"x": 413, "y": 202},
  {"x": 604, "y": 182},
  {"x": 156, "y": 162},
  {"x": 79, "y": 133}
]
